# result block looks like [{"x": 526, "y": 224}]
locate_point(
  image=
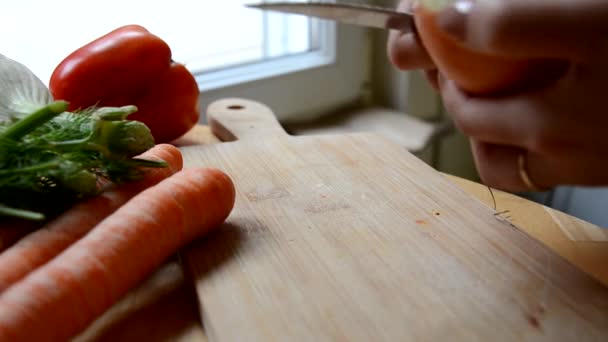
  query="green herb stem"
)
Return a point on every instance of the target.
[
  {"x": 148, "y": 163},
  {"x": 20, "y": 213},
  {"x": 115, "y": 113},
  {"x": 32, "y": 121}
]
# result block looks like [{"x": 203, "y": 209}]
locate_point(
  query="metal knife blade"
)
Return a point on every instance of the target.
[{"x": 354, "y": 14}]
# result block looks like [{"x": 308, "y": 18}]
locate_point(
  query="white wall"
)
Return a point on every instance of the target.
[{"x": 410, "y": 92}]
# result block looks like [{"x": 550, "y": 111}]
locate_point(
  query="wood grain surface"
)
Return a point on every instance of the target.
[
  {"x": 165, "y": 307},
  {"x": 350, "y": 237}
]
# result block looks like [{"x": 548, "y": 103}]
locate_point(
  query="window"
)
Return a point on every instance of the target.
[{"x": 230, "y": 48}]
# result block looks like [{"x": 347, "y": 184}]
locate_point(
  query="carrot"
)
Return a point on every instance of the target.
[
  {"x": 42, "y": 245},
  {"x": 60, "y": 299},
  {"x": 12, "y": 230}
]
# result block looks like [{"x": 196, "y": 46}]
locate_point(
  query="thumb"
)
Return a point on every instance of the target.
[{"x": 563, "y": 29}]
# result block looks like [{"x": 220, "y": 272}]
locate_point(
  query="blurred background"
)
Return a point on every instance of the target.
[{"x": 318, "y": 77}]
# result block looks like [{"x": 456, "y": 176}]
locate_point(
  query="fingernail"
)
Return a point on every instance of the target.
[{"x": 453, "y": 19}]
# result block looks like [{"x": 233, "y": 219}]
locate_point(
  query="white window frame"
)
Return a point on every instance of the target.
[
  {"x": 323, "y": 52},
  {"x": 300, "y": 87}
]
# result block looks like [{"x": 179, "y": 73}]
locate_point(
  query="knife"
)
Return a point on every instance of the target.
[{"x": 354, "y": 14}]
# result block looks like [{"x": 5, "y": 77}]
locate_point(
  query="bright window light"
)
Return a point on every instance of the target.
[{"x": 219, "y": 41}]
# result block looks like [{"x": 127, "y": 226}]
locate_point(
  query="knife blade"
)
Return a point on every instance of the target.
[{"x": 353, "y": 14}]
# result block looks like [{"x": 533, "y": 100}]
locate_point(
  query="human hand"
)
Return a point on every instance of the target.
[
  {"x": 556, "y": 131},
  {"x": 406, "y": 51},
  {"x": 56, "y": 280}
]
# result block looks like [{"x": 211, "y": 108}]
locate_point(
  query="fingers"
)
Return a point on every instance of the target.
[
  {"x": 512, "y": 169},
  {"x": 561, "y": 139},
  {"x": 522, "y": 28},
  {"x": 405, "y": 50},
  {"x": 509, "y": 121},
  {"x": 498, "y": 166},
  {"x": 502, "y": 132},
  {"x": 507, "y": 168}
]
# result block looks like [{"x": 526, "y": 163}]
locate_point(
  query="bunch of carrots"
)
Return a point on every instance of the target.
[{"x": 55, "y": 281}]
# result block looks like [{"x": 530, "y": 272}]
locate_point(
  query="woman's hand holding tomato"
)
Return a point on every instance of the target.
[{"x": 556, "y": 128}]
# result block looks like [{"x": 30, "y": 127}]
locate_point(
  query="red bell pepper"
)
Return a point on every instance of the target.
[{"x": 131, "y": 66}]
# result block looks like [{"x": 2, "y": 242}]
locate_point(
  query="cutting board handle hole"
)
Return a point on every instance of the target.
[{"x": 238, "y": 119}]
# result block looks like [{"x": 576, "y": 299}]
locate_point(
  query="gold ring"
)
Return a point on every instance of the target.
[{"x": 523, "y": 173}]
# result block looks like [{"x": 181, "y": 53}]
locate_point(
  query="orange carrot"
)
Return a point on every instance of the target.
[
  {"x": 42, "y": 245},
  {"x": 11, "y": 230},
  {"x": 60, "y": 299}
]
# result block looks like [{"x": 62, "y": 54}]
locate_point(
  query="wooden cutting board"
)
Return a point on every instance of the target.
[{"x": 352, "y": 238}]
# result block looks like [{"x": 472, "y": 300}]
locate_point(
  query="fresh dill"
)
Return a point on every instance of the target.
[{"x": 51, "y": 158}]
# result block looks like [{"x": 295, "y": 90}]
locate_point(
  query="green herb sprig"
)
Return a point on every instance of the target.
[{"x": 51, "y": 158}]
